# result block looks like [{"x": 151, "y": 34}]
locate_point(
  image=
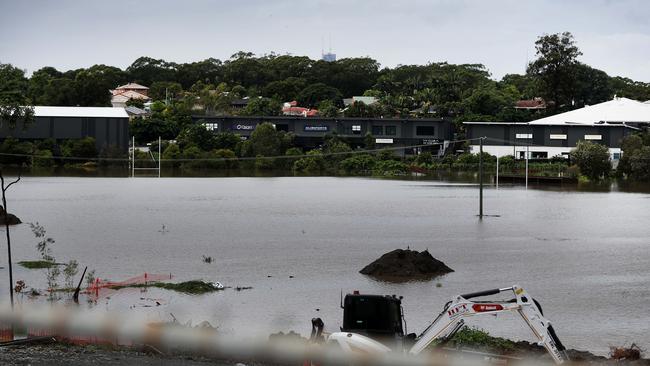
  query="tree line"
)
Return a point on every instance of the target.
[{"x": 437, "y": 89}]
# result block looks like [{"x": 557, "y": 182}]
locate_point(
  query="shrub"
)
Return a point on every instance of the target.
[
  {"x": 507, "y": 161},
  {"x": 358, "y": 163},
  {"x": 80, "y": 148},
  {"x": 43, "y": 159},
  {"x": 313, "y": 163},
  {"x": 640, "y": 164},
  {"x": 592, "y": 159},
  {"x": 424, "y": 158},
  {"x": 389, "y": 168},
  {"x": 173, "y": 151}
]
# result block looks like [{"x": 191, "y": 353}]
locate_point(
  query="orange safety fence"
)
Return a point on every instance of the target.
[{"x": 100, "y": 288}]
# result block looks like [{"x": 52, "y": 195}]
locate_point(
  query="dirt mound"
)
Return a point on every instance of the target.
[{"x": 405, "y": 264}]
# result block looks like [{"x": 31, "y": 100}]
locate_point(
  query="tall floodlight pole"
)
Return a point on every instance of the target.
[
  {"x": 480, "y": 178},
  {"x": 159, "y": 156}
]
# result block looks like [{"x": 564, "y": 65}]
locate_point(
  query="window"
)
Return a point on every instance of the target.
[
  {"x": 378, "y": 130},
  {"x": 391, "y": 130},
  {"x": 557, "y": 136},
  {"x": 425, "y": 130},
  {"x": 593, "y": 137},
  {"x": 524, "y": 136},
  {"x": 352, "y": 129},
  {"x": 616, "y": 156},
  {"x": 539, "y": 155},
  {"x": 282, "y": 127},
  {"x": 211, "y": 126}
]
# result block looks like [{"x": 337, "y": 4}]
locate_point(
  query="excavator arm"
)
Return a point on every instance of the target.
[{"x": 456, "y": 311}]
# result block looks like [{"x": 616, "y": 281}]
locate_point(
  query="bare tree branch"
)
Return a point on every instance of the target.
[{"x": 12, "y": 183}]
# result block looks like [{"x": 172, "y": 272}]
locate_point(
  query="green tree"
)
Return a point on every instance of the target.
[
  {"x": 266, "y": 141},
  {"x": 592, "y": 159},
  {"x": 628, "y": 88},
  {"x": 360, "y": 109},
  {"x": 262, "y": 107},
  {"x": 226, "y": 140},
  {"x": 150, "y": 128},
  {"x": 313, "y": 163},
  {"x": 630, "y": 145},
  {"x": 556, "y": 66},
  {"x": 93, "y": 84},
  {"x": 80, "y": 148},
  {"x": 15, "y": 106},
  {"x": 138, "y": 103},
  {"x": 196, "y": 135},
  {"x": 592, "y": 86},
  {"x": 369, "y": 141},
  {"x": 172, "y": 152},
  {"x": 328, "y": 109},
  {"x": 358, "y": 164},
  {"x": 489, "y": 100},
  {"x": 313, "y": 94},
  {"x": 284, "y": 90},
  {"x": 163, "y": 90},
  {"x": 147, "y": 70},
  {"x": 640, "y": 164}
]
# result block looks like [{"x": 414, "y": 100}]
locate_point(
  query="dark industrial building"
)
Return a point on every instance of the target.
[
  {"x": 310, "y": 132},
  {"x": 109, "y": 126}
]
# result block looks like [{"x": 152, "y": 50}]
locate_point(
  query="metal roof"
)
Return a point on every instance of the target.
[
  {"x": 105, "y": 112},
  {"x": 132, "y": 86},
  {"x": 615, "y": 112}
]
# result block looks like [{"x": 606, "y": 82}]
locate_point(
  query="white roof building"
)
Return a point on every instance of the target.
[
  {"x": 88, "y": 112},
  {"x": 617, "y": 110},
  {"x": 606, "y": 123}
]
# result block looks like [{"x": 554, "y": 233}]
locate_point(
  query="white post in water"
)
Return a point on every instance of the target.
[
  {"x": 133, "y": 157},
  {"x": 527, "y": 166},
  {"x": 480, "y": 177},
  {"x": 497, "y": 179},
  {"x": 159, "y": 156}
]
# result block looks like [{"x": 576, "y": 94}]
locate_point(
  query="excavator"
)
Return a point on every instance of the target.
[{"x": 375, "y": 323}]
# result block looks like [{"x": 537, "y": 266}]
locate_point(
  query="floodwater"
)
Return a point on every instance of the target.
[{"x": 585, "y": 256}]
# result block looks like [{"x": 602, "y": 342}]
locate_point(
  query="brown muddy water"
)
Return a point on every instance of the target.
[{"x": 584, "y": 255}]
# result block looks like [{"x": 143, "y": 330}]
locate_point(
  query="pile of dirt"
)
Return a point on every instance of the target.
[{"x": 405, "y": 264}]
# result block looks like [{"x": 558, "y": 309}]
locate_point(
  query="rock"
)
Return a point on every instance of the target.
[
  {"x": 10, "y": 218},
  {"x": 406, "y": 264}
]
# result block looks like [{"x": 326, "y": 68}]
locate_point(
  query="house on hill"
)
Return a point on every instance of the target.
[{"x": 124, "y": 93}]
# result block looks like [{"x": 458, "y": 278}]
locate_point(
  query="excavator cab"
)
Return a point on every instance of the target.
[{"x": 375, "y": 316}]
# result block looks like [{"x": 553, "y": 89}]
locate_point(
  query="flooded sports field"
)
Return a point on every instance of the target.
[{"x": 299, "y": 242}]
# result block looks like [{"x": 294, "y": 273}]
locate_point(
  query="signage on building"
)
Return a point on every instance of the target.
[
  {"x": 240, "y": 127},
  {"x": 319, "y": 128},
  {"x": 383, "y": 141},
  {"x": 430, "y": 141}
]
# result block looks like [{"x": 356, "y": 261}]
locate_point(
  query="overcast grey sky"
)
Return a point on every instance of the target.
[{"x": 613, "y": 35}]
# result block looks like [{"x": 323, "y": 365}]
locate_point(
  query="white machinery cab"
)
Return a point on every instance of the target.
[{"x": 447, "y": 323}]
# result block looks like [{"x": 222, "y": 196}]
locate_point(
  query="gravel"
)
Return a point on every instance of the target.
[{"x": 66, "y": 354}]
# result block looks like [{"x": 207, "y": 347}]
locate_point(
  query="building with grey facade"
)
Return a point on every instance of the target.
[
  {"x": 108, "y": 126},
  {"x": 605, "y": 123},
  {"x": 309, "y": 133}
]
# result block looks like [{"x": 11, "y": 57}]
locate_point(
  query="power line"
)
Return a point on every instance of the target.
[{"x": 353, "y": 152}]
